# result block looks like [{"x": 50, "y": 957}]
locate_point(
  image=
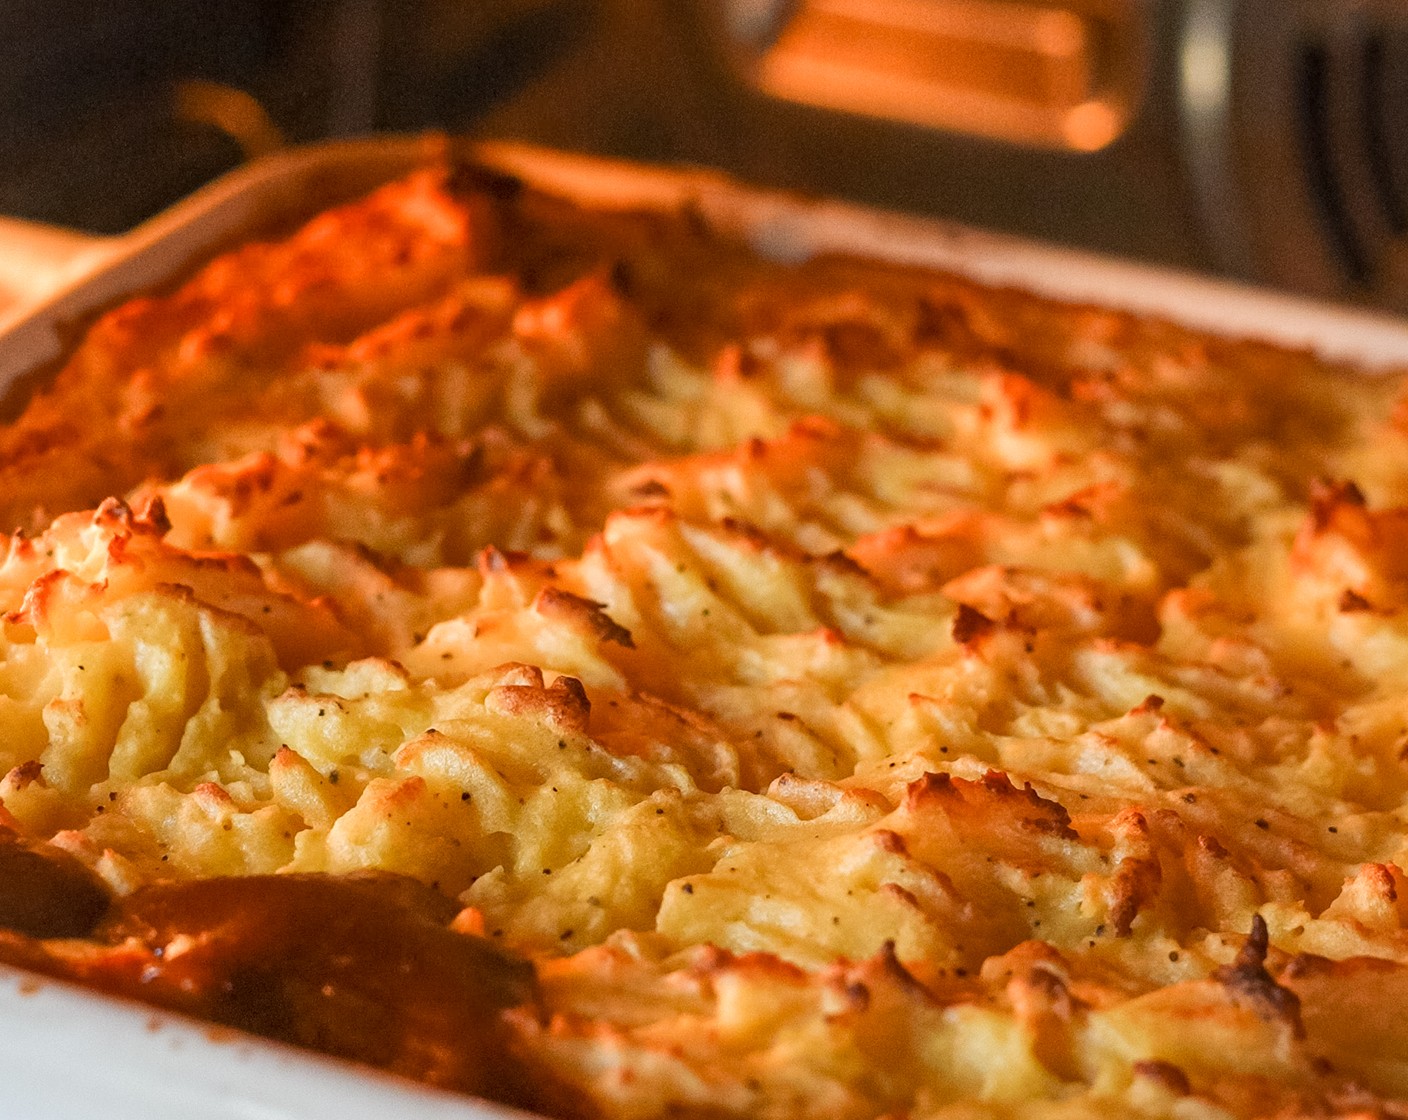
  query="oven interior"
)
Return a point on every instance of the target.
[{"x": 1265, "y": 140}]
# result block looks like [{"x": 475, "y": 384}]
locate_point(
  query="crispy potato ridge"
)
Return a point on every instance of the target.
[{"x": 858, "y": 692}]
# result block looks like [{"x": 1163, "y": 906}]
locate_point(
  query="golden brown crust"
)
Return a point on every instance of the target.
[{"x": 859, "y": 692}]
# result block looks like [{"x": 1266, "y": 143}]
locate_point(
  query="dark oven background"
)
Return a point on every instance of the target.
[{"x": 1263, "y": 139}]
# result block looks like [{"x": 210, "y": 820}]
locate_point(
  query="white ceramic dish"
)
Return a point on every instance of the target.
[
  {"x": 70, "y": 1055},
  {"x": 67, "y": 1054}
]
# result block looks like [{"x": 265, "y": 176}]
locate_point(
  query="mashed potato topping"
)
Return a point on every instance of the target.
[{"x": 858, "y": 693}]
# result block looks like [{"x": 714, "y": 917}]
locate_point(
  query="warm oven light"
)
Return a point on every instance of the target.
[{"x": 1012, "y": 69}]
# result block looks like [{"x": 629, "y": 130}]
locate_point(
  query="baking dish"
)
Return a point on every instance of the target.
[{"x": 176, "y": 1069}]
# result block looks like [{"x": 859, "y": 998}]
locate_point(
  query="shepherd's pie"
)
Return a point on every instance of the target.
[{"x": 560, "y": 655}]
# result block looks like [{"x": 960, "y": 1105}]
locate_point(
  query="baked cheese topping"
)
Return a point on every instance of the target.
[{"x": 857, "y": 692}]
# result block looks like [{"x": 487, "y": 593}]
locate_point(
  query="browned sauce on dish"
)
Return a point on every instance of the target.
[
  {"x": 45, "y": 892},
  {"x": 363, "y": 968}
]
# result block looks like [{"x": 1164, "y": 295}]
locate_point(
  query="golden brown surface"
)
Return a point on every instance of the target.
[{"x": 858, "y": 693}]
